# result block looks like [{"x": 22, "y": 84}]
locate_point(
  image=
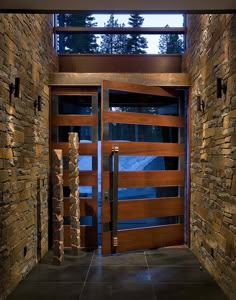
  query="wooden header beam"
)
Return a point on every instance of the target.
[
  {"x": 121, "y": 30},
  {"x": 95, "y": 79},
  {"x": 94, "y": 6}
]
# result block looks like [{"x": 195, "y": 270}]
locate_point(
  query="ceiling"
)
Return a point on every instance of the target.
[{"x": 95, "y": 6}]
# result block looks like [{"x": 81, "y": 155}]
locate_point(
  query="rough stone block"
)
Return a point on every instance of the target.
[
  {"x": 233, "y": 188},
  {"x": 6, "y": 153}
]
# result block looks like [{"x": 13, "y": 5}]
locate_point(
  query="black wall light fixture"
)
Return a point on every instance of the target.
[
  {"x": 220, "y": 87},
  {"x": 15, "y": 88},
  {"x": 38, "y": 104},
  {"x": 200, "y": 104}
]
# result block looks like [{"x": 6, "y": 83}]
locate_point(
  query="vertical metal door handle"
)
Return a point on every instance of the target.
[{"x": 115, "y": 153}]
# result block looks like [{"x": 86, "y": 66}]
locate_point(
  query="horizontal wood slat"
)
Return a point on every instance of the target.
[
  {"x": 145, "y": 208},
  {"x": 145, "y": 238},
  {"x": 145, "y": 178},
  {"x": 154, "y": 77},
  {"x": 144, "y": 148},
  {"x": 86, "y": 178},
  {"x": 84, "y": 148},
  {"x": 137, "y": 88},
  {"x": 73, "y": 120},
  {"x": 74, "y": 91},
  {"x": 121, "y": 30},
  {"x": 88, "y": 206},
  {"x": 88, "y": 236},
  {"x": 143, "y": 119}
]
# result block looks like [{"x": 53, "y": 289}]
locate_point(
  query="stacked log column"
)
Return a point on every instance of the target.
[
  {"x": 58, "y": 230},
  {"x": 74, "y": 193}
]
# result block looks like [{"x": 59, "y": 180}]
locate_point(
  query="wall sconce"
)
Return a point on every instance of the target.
[
  {"x": 14, "y": 88},
  {"x": 38, "y": 104},
  {"x": 220, "y": 86},
  {"x": 200, "y": 104}
]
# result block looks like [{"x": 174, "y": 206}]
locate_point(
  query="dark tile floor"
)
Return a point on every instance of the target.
[{"x": 162, "y": 274}]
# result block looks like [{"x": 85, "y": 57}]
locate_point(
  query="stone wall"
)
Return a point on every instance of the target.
[
  {"x": 211, "y": 54},
  {"x": 25, "y": 52}
]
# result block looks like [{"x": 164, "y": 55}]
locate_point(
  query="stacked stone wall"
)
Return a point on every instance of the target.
[
  {"x": 211, "y": 54},
  {"x": 26, "y": 52}
]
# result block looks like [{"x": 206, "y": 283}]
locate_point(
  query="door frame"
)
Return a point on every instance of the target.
[
  {"x": 149, "y": 90},
  {"x": 69, "y": 82}
]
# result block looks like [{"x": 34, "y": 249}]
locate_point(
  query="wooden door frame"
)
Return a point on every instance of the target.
[
  {"x": 122, "y": 86},
  {"x": 69, "y": 82}
]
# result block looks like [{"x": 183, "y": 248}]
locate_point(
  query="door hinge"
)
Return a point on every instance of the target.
[{"x": 115, "y": 241}]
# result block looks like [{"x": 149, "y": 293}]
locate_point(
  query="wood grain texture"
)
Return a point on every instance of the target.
[
  {"x": 142, "y": 119},
  {"x": 120, "y": 30},
  {"x": 74, "y": 91},
  {"x": 86, "y": 178},
  {"x": 131, "y": 63},
  {"x": 143, "y": 148},
  {"x": 73, "y": 120},
  {"x": 144, "y": 238},
  {"x": 137, "y": 179},
  {"x": 151, "y": 78},
  {"x": 137, "y": 88},
  {"x": 88, "y": 206},
  {"x": 88, "y": 236},
  {"x": 144, "y": 208},
  {"x": 84, "y": 148}
]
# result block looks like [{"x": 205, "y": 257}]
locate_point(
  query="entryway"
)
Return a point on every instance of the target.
[{"x": 132, "y": 163}]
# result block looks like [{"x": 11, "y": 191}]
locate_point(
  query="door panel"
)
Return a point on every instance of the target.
[
  {"x": 143, "y": 148},
  {"x": 76, "y": 110},
  {"x": 144, "y": 119},
  {"x": 146, "y": 208},
  {"x": 145, "y": 178},
  {"x": 144, "y": 238},
  {"x": 123, "y": 137}
]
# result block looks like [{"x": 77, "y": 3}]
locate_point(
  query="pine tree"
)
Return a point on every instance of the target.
[
  {"x": 113, "y": 43},
  {"x": 61, "y": 19},
  {"x": 170, "y": 43},
  {"x": 83, "y": 42},
  {"x": 135, "y": 42}
]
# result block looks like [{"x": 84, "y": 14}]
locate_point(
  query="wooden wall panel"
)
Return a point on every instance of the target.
[
  {"x": 145, "y": 238},
  {"x": 69, "y": 79},
  {"x": 145, "y": 178},
  {"x": 143, "y": 119},
  {"x": 85, "y": 63},
  {"x": 73, "y": 120},
  {"x": 145, "y": 208},
  {"x": 143, "y": 148}
]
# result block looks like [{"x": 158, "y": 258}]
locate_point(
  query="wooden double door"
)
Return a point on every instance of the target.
[{"x": 136, "y": 171}]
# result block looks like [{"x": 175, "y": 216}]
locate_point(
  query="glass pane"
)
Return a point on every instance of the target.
[
  {"x": 100, "y": 20},
  {"x": 142, "y": 133},
  {"x": 85, "y": 191},
  {"x": 119, "y": 43},
  {"x": 148, "y": 222},
  {"x": 60, "y": 133},
  {"x": 138, "y": 163},
  {"x": 142, "y": 163},
  {"x": 81, "y": 105},
  {"x": 84, "y": 220},
  {"x": 147, "y": 192},
  {"x": 85, "y": 163}
]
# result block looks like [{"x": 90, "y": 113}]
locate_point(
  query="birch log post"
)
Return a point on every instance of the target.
[
  {"x": 57, "y": 206},
  {"x": 74, "y": 192}
]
